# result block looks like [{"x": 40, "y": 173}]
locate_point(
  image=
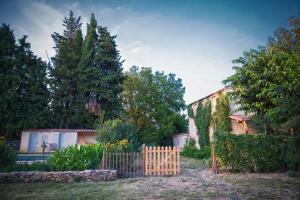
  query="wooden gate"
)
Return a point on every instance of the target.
[{"x": 151, "y": 161}]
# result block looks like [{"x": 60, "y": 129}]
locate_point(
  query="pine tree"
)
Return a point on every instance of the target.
[
  {"x": 110, "y": 85},
  {"x": 68, "y": 102},
  {"x": 24, "y": 101},
  {"x": 89, "y": 72}
]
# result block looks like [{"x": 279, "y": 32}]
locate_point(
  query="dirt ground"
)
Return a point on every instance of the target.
[{"x": 195, "y": 182}]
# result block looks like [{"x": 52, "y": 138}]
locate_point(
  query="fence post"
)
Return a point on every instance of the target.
[
  {"x": 158, "y": 160},
  {"x": 146, "y": 161},
  {"x": 178, "y": 160},
  {"x": 163, "y": 160}
]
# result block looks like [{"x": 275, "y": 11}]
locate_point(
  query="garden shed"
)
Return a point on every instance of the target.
[{"x": 32, "y": 139}]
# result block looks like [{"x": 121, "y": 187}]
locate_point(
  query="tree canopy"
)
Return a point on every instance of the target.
[
  {"x": 267, "y": 81},
  {"x": 23, "y": 86},
  {"x": 153, "y": 102}
]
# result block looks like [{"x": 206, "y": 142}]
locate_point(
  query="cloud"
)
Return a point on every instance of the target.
[{"x": 198, "y": 51}]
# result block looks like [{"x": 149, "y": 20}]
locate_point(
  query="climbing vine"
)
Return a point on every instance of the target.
[
  {"x": 202, "y": 121},
  {"x": 190, "y": 112},
  {"x": 221, "y": 120}
]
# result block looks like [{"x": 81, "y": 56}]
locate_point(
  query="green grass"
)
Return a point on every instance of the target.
[{"x": 195, "y": 182}]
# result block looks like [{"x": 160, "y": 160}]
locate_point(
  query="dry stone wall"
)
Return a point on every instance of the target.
[{"x": 67, "y": 176}]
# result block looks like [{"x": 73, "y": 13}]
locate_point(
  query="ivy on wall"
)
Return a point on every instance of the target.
[
  {"x": 202, "y": 119},
  {"x": 221, "y": 120}
]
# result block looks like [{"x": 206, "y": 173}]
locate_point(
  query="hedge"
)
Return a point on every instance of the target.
[{"x": 257, "y": 152}]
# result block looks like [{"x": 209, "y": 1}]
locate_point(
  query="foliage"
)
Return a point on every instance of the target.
[
  {"x": 68, "y": 102},
  {"x": 23, "y": 86},
  {"x": 153, "y": 102},
  {"x": 77, "y": 157},
  {"x": 256, "y": 153},
  {"x": 221, "y": 120},
  {"x": 181, "y": 124},
  {"x": 267, "y": 81},
  {"x": 7, "y": 157},
  {"x": 35, "y": 166},
  {"x": 86, "y": 75},
  {"x": 112, "y": 131},
  {"x": 203, "y": 119},
  {"x": 119, "y": 146},
  {"x": 190, "y": 150}
]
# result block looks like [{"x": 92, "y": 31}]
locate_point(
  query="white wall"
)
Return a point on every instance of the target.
[
  {"x": 53, "y": 137},
  {"x": 180, "y": 140}
]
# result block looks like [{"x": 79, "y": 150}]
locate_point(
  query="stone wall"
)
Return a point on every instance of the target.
[{"x": 67, "y": 176}]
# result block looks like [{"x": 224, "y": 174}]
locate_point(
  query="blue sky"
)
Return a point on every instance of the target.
[{"x": 196, "y": 40}]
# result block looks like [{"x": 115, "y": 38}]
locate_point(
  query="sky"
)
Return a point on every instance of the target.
[{"x": 196, "y": 40}]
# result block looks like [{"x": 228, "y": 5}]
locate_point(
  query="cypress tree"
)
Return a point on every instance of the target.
[
  {"x": 67, "y": 104},
  {"x": 108, "y": 60}
]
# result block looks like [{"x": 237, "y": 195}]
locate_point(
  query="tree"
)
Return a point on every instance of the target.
[
  {"x": 68, "y": 100},
  {"x": 101, "y": 67},
  {"x": 221, "y": 120},
  {"x": 267, "y": 81},
  {"x": 109, "y": 86},
  {"x": 203, "y": 119},
  {"x": 24, "y": 94},
  {"x": 153, "y": 102}
]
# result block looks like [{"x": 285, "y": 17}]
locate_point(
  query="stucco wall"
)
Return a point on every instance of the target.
[
  {"x": 236, "y": 127},
  {"x": 53, "y": 137}
]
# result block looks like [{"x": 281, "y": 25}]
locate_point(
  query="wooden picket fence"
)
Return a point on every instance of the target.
[
  {"x": 161, "y": 161},
  {"x": 151, "y": 161},
  {"x": 126, "y": 164}
]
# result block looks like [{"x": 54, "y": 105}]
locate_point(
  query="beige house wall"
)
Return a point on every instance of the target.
[
  {"x": 236, "y": 127},
  {"x": 86, "y": 138}
]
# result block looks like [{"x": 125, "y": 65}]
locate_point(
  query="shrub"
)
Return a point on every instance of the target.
[
  {"x": 120, "y": 146},
  {"x": 36, "y": 166},
  {"x": 7, "y": 157},
  {"x": 113, "y": 131},
  {"x": 190, "y": 150},
  {"x": 256, "y": 153},
  {"x": 76, "y": 157}
]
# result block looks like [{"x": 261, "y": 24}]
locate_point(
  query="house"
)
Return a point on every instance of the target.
[
  {"x": 239, "y": 119},
  {"x": 33, "y": 139}
]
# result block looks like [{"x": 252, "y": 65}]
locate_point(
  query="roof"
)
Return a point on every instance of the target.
[
  {"x": 241, "y": 117},
  {"x": 61, "y": 130},
  {"x": 208, "y": 95}
]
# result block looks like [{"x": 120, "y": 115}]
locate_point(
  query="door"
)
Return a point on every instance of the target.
[
  {"x": 61, "y": 140},
  {"x": 33, "y": 142}
]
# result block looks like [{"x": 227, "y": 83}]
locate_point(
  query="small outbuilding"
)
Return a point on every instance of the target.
[
  {"x": 33, "y": 139},
  {"x": 180, "y": 140}
]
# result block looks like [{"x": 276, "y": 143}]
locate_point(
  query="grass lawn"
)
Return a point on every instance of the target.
[{"x": 195, "y": 182}]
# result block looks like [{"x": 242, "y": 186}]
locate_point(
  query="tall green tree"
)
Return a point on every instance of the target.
[
  {"x": 102, "y": 75},
  {"x": 267, "y": 81},
  {"x": 203, "y": 119},
  {"x": 153, "y": 101},
  {"x": 221, "y": 120},
  {"x": 110, "y": 82},
  {"x": 68, "y": 101},
  {"x": 24, "y": 101}
]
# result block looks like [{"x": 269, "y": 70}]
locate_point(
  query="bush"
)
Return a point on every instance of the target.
[
  {"x": 120, "y": 146},
  {"x": 36, "y": 166},
  {"x": 256, "y": 153},
  {"x": 113, "y": 131},
  {"x": 190, "y": 150},
  {"x": 76, "y": 157},
  {"x": 7, "y": 157}
]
